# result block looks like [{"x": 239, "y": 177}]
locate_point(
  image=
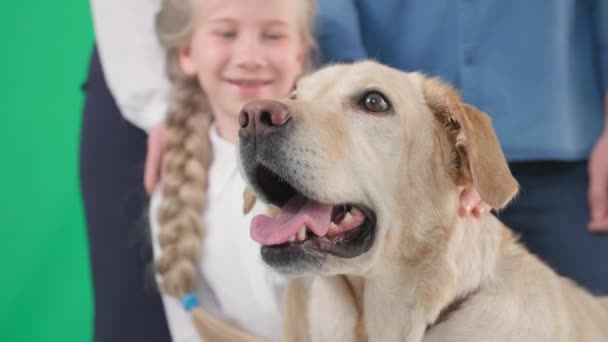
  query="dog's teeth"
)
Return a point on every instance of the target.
[
  {"x": 356, "y": 212},
  {"x": 347, "y": 217},
  {"x": 302, "y": 233},
  {"x": 292, "y": 238},
  {"x": 333, "y": 227}
]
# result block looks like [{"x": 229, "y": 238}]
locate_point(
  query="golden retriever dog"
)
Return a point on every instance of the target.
[{"x": 367, "y": 164}]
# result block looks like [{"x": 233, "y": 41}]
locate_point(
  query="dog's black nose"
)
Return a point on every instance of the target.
[{"x": 259, "y": 117}]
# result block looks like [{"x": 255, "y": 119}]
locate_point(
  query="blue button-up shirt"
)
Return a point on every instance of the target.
[{"x": 538, "y": 67}]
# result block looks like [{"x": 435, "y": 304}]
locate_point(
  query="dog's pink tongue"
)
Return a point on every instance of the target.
[{"x": 297, "y": 212}]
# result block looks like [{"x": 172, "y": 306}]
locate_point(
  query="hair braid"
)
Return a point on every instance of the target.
[{"x": 185, "y": 165}]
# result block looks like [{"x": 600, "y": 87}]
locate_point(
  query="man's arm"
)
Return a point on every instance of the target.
[
  {"x": 598, "y": 160},
  {"x": 338, "y": 31}
]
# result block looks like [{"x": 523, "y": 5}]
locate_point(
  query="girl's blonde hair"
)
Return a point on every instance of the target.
[{"x": 186, "y": 163}]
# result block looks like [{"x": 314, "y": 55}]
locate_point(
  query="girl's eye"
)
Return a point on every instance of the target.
[
  {"x": 273, "y": 36},
  {"x": 225, "y": 34}
]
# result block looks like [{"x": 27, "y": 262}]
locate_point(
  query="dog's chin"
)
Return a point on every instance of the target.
[{"x": 351, "y": 231}]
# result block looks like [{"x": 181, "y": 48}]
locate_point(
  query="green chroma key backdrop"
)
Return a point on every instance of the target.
[{"x": 45, "y": 290}]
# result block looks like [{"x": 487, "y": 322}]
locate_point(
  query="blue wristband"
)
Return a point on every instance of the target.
[{"x": 190, "y": 301}]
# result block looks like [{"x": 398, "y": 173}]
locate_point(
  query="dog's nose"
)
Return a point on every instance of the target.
[{"x": 261, "y": 116}]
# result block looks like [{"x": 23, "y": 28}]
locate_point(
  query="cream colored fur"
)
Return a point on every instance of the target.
[{"x": 408, "y": 166}]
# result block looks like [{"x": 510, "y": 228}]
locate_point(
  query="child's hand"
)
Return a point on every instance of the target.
[
  {"x": 154, "y": 157},
  {"x": 471, "y": 202}
]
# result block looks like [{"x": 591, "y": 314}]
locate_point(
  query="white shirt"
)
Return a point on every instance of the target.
[
  {"x": 132, "y": 59},
  {"x": 235, "y": 284}
]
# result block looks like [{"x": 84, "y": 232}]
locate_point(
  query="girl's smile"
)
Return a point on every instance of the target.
[{"x": 249, "y": 87}]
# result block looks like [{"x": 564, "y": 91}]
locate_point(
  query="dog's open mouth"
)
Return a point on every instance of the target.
[{"x": 344, "y": 229}]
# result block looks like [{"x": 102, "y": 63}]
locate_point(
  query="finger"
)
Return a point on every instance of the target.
[
  {"x": 469, "y": 198},
  {"x": 599, "y": 226},
  {"x": 597, "y": 202},
  {"x": 598, "y": 192},
  {"x": 481, "y": 209},
  {"x": 152, "y": 166}
]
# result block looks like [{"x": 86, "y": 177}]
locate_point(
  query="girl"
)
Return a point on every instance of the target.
[{"x": 220, "y": 55}]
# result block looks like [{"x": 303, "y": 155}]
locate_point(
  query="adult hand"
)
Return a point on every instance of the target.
[
  {"x": 598, "y": 185},
  {"x": 154, "y": 157},
  {"x": 471, "y": 203}
]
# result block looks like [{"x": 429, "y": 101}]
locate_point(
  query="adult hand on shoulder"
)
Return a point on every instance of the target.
[
  {"x": 598, "y": 185},
  {"x": 154, "y": 157},
  {"x": 471, "y": 203}
]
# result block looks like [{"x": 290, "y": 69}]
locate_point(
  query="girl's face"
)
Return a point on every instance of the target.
[{"x": 243, "y": 50}]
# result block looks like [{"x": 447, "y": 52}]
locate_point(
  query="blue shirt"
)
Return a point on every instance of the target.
[{"x": 538, "y": 67}]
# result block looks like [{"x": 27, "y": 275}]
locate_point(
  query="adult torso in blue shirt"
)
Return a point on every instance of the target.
[{"x": 533, "y": 65}]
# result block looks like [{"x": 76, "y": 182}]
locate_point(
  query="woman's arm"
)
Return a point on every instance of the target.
[{"x": 132, "y": 59}]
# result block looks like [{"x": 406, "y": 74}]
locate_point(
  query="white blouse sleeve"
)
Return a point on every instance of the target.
[{"x": 132, "y": 58}]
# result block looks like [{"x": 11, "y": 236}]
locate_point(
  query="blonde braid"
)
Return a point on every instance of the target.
[{"x": 185, "y": 165}]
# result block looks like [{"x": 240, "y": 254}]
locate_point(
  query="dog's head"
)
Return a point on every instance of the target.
[{"x": 365, "y": 162}]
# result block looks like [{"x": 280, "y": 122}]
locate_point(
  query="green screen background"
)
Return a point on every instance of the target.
[{"x": 45, "y": 291}]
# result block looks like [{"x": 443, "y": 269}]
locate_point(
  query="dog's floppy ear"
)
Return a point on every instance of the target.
[{"x": 482, "y": 161}]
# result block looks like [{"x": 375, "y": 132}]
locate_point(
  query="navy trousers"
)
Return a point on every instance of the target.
[
  {"x": 128, "y": 306},
  {"x": 551, "y": 214}
]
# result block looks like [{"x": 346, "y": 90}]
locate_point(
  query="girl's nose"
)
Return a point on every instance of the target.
[{"x": 249, "y": 52}]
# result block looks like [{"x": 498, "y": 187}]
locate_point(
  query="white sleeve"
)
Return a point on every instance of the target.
[
  {"x": 132, "y": 58},
  {"x": 179, "y": 321}
]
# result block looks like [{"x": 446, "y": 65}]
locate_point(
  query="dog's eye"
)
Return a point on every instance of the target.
[{"x": 375, "y": 102}]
